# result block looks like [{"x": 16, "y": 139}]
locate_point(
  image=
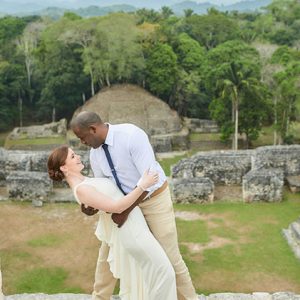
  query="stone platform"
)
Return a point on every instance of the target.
[{"x": 219, "y": 296}]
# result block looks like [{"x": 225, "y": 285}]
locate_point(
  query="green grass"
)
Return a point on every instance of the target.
[
  {"x": 256, "y": 250},
  {"x": 204, "y": 137},
  {"x": 295, "y": 130},
  {"x": 166, "y": 163},
  {"x": 44, "y": 280},
  {"x": 34, "y": 142},
  {"x": 257, "y": 244},
  {"x": 49, "y": 240},
  {"x": 3, "y": 136},
  {"x": 187, "y": 229}
]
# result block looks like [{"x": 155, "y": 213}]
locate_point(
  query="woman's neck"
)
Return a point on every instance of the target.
[{"x": 74, "y": 179}]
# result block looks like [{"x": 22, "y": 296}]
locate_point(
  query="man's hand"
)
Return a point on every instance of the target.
[
  {"x": 121, "y": 218},
  {"x": 88, "y": 210}
]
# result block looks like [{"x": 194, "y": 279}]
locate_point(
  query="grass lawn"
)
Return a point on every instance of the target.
[
  {"x": 237, "y": 247},
  {"x": 26, "y": 143},
  {"x": 166, "y": 163},
  {"x": 204, "y": 136},
  {"x": 3, "y": 136},
  {"x": 229, "y": 247}
]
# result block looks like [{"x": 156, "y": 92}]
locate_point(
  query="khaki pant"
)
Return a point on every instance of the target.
[{"x": 159, "y": 214}]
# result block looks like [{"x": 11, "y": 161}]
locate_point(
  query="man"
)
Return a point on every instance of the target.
[{"x": 123, "y": 152}]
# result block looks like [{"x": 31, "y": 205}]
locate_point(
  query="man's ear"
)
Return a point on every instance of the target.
[{"x": 93, "y": 129}]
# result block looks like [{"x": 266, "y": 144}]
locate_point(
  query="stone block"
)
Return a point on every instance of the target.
[
  {"x": 28, "y": 185},
  {"x": 286, "y": 158},
  {"x": 161, "y": 143},
  {"x": 3, "y": 158},
  {"x": 201, "y": 125},
  {"x": 222, "y": 167},
  {"x": 18, "y": 160},
  {"x": 292, "y": 235},
  {"x": 294, "y": 183},
  {"x": 263, "y": 185},
  {"x": 55, "y": 129},
  {"x": 193, "y": 190}
]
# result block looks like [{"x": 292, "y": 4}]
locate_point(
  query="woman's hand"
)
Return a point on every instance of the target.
[{"x": 148, "y": 179}]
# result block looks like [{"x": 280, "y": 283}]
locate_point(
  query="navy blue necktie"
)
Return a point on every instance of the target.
[{"x": 111, "y": 165}]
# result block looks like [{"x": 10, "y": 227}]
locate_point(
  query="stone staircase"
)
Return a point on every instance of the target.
[
  {"x": 292, "y": 235},
  {"x": 219, "y": 296}
]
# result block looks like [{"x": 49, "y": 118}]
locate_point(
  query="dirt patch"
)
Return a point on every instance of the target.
[
  {"x": 215, "y": 242},
  {"x": 212, "y": 220},
  {"x": 233, "y": 193},
  {"x": 188, "y": 215}
]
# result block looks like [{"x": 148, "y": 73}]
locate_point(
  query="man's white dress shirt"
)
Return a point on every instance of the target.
[{"x": 131, "y": 153}]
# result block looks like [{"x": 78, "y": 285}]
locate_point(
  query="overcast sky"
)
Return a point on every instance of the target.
[{"x": 219, "y": 2}]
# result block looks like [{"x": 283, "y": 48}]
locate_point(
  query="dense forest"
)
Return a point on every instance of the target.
[{"x": 240, "y": 69}]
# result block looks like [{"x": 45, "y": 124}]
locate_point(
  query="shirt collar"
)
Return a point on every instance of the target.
[{"x": 110, "y": 135}]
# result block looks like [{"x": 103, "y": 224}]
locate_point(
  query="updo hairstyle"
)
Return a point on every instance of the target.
[{"x": 56, "y": 159}]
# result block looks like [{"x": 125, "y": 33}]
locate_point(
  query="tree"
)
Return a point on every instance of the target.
[
  {"x": 118, "y": 56},
  {"x": 145, "y": 15},
  {"x": 232, "y": 73},
  {"x": 161, "y": 71},
  {"x": 190, "y": 54},
  {"x": 188, "y": 12},
  {"x": 166, "y": 12},
  {"x": 287, "y": 95},
  {"x": 212, "y": 29},
  {"x": 81, "y": 33},
  {"x": 60, "y": 70},
  {"x": 27, "y": 45},
  {"x": 188, "y": 98}
]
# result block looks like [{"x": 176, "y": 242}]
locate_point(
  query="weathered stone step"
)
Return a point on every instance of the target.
[
  {"x": 295, "y": 229},
  {"x": 293, "y": 242},
  {"x": 219, "y": 296}
]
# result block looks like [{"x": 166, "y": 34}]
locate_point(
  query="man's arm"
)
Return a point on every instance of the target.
[
  {"x": 88, "y": 210},
  {"x": 121, "y": 218}
]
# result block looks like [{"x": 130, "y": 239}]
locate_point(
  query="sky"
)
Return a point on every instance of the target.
[{"x": 219, "y": 2}]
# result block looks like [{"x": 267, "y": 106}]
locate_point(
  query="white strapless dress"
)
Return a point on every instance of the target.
[{"x": 135, "y": 256}]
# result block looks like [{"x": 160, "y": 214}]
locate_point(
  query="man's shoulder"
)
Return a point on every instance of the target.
[
  {"x": 124, "y": 126},
  {"x": 128, "y": 128}
]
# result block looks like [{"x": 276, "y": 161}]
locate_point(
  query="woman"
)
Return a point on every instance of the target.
[{"x": 135, "y": 256}]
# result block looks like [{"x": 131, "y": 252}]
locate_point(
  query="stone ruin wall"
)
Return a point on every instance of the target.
[
  {"x": 24, "y": 174},
  {"x": 261, "y": 172}
]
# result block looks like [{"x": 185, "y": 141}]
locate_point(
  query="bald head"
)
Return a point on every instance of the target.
[
  {"x": 89, "y": 128},
  {"x": 85, "y": 119}
]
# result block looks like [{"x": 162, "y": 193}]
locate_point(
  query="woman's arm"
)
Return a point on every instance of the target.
[{"x": 91, "y": 197}]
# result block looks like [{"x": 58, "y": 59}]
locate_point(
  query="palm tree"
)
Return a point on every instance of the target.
[
  {"x": 166, "y": 12},
  {"x": 237, "y": 81},
  {"x": 188, "y": 12}
]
